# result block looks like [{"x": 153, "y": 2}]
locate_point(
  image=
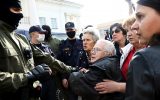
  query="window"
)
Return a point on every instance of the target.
[
  {"x": 54, "y": 23},
  {"x": 42, "y": 20},
  {"x": 25, "y": 20}
]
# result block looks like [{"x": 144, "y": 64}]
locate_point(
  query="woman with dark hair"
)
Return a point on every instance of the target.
[
  {"x": 143, "y": 81},
  {"x": 118, "y": 37}
]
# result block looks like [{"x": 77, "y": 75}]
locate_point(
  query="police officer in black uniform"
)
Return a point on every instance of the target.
[{"x": 69, "y": 51}]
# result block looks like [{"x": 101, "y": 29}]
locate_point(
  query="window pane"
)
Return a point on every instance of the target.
[
  {"x": 42, "y": 20},
  {"x": 54, "y": 23}
]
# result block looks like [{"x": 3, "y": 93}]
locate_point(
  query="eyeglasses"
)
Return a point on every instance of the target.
[
  {"x": 95, "y": 50},
  {"x": 116, "y": 30}
]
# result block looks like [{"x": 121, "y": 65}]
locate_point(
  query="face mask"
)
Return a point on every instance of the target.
[
  {"x": 40, "y": 37},
  {"x": 71, "y": 34}
]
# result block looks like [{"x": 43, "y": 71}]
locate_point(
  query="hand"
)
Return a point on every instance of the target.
[
  {"x": 107, "y": 86},
  {"x": 83, "y": 70},
  {"x": 40, "y": 72},
  {"x": 65, "y": 83}
]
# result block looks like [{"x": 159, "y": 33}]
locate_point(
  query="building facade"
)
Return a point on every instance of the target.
[{"x": 54, "y": 13}]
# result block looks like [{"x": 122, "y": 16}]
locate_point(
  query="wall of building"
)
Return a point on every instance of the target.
[{"x": 59, "y": 11}]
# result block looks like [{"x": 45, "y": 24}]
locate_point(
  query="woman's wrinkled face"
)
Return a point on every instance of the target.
[
  {"x": 117, "y": 34},
  {"x": 88, "y": 42},
  {"x": 132, "y": 36},
  {"x": 147, "y": 22}
]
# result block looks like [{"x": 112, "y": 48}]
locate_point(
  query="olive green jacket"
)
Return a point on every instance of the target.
[
  {"x": 14, "y": 64},
  {"x": 54, "y": 44}
]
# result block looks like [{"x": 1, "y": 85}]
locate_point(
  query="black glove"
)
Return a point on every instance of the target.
[
  {"x": 40, "y": 72},
  {"x": 75, "y": 69}
]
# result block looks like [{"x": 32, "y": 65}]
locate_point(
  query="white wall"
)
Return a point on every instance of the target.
[{"x": 62, "y": 10}]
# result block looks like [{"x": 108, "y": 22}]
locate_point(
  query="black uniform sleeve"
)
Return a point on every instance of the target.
[
  {"x": 140, "y": 81},
  {"x": 60, "y": 51}
]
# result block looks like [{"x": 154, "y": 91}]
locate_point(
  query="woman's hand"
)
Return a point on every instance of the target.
[
  {"x": 65, "y": 83},
  {"x": 109, "y": 86}
]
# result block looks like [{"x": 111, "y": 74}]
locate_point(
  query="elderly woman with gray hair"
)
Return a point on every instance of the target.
[
  {"x": 89, "y": 38},
  {"x": 104, "y": 65}
]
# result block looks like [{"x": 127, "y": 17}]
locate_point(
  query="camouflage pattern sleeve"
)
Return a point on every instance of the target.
[{"x": 56, "y": 65}]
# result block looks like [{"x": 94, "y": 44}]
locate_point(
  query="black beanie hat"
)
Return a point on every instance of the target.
[
  {"x": 155, "y": 4},
  {"x": 7, "y": 16},
  {"x": 10, "y": 3}
]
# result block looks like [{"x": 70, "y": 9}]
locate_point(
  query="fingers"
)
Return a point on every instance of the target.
[
  {"x": 39, "y": 68},
  {"x": 83, "y": 70},
  {"x": 65, "y": 83},
  {"x": 103, "y": 92},
  {"x": 106, "y": 80},
  {"x": 100, "y": 87},
  {"x": 44, "y": 65},
  {"x": 46, "y": 68},
  {"x": 100, "y": 84}
]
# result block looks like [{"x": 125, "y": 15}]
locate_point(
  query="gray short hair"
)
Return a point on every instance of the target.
[
  {"x": 109, "y": 46},
  {"x": 94, "y": 32}
]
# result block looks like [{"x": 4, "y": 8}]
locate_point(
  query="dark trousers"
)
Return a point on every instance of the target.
[
  {"x": 49, "y": 89},
  {"x": 72, "y": 96}
]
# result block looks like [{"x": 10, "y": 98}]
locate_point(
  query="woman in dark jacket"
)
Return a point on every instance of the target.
[{"x": 143, "y": 81}]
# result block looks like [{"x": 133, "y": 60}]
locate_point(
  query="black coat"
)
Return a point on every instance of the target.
[
  {"x": 83, "y": 83},
  {"x": 143, "y": 81}
]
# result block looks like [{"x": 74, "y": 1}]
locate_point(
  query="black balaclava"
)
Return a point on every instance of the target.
[
  {"x": 155, "y": 4},
  {"x": 7, "y": 16},
  {"x": 48, "y": 33}
]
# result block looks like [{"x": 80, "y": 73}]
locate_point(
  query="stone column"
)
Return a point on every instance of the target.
[
  {"x": 34, "y": 20},
  {"x": 131, "y": 7}
]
